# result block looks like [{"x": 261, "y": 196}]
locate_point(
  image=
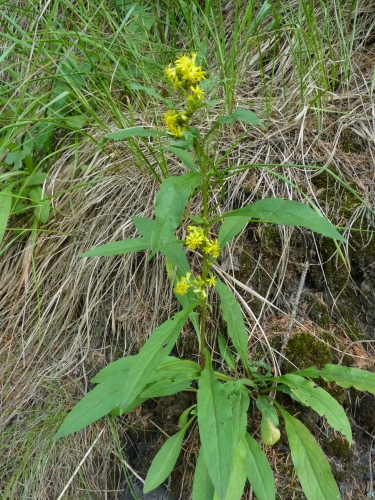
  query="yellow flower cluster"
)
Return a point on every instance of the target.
[
  {"x": 198, "y": 285},
  {"x": 176, "y": 122},
  {"x": 186, "y": 74},
  {"x": 197, "y": 239}
]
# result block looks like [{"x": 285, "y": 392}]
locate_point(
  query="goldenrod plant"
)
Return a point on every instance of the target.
[{"x": 229, "y": 455}]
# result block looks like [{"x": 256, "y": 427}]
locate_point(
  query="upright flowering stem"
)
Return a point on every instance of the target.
[{"x": 205, "y": 264}]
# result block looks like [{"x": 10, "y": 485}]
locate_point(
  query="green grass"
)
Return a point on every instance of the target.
[{"x": 67, "y": 71}]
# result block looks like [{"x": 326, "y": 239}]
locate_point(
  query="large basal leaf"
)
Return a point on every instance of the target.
[
  {"x": 287, "y": 212},
  {"x": 232, "y": 314},
  {"x": 215, "y": 429},
  {"x": 239, "y": 400},
  {"x": 121, "y": 390},
  {"x": 170, "y": 203},
  {"x": 117, "y": 248},
  {"x": 320, "y": 401},
  {"x": 259, "y": 472},
  {"x": 238, "y": 474},
  {"x": 125, "y": 364},
  {"x": 166, "y": 387},
  {"x": 164, "y": 461},
  {"x": 242, "y": 115},
  {"x": 343, "y": 376},
  {"x": 202, "y": 486},
  {"x": 5, "y": 207},
  {"x": 311, "y": 465},
  {"x": 230, "y": 228}
]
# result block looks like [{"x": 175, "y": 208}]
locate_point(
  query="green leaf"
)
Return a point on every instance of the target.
[
  {"x": 232, "y": 314},
  {"x": 5, "y": 207},
  {"x": 259, "y": 472},
  {"x": 320, "y": 401},
  {"x": 343, "y": 376},
  {"x": 119, "y": 390},
  {"x": 184, "y": 156},
  {"x": 174, "y": 251},
  {"x": 164, "y": 461},
  {"x": 238, "y": 473},
  {"x": 166, "y": 387},
  {"x": 287, "y": 212},
  {"x": 311, "y": 465},
  {"x": 185, "y": 415},
  {"x": 151, "y": 92},
  {"x": 126, "y": 363},
  {"x": 267, "y": 409},
  {"x": 119, "y": 411},
  {"x": 75, "y": 121},
  {"x": 120, "y": 135},
  {"x": 170, "y": 203},
  {"x": 145, "y": 226},
  {"x": 117, "y": 248},
  {"x": 242, "y": 115},
  {"x": 41, "y": 205},
  {"x": 230, "y": 228},
  {"x": 225, "y": 352},
  {"x": 36, "y": 179},
  {"x": 215, "y": 429},
  {"x": 239, "y": 401},
  {"x": 202, "y": 487}
]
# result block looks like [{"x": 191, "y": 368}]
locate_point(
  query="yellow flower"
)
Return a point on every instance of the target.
[
  {"x": 197, "y": 94},
  {"x": 172, "y": 75},
  {"x": 176, "y": 122},
  {"x": 185, "y": 73},
  {"x": 195, "y": 237},
  {"x": 181, "y": 287},
  {"x": 211, "y": 281},
  {"x": 212, "y": 248}
]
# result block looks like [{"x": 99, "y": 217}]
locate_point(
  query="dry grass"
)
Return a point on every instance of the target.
[{"x": 62, "y": 318}]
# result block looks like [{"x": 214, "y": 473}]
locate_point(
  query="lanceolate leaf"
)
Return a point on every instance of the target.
[
  {"x": 320, "y": 401},
  {"x": 121, "y": 390},
  {"x": 239, "y": 401},
  {"x": 117, "y": 248},
  {"x": 166, "y": 388},
  {"x": 238, "y": 474},
  {"x": 5, "y": 206},
  {"x": 259, "y": 472},
  {"x": 145, "y": 226},
  {"x": 234, "y": 319},
  {"x": 202, "y": 487},
  {"x": 225, "y": 352},
  {"x": 170, "y": 203},
  {"x": 287, "y": 212},
  {"x": 184, "y": 156},
  {"x": 311, "y": 465},
  {"x": 120, "y": 135},
  {"x": 215, "y": 429},
  {"x": 230, "y": 228},
  {"x": 165, "y": 460},
  {"x": 242, "y": 115},
  {"x": 343, "y": 376}
]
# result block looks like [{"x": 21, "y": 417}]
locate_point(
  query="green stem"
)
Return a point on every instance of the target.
[{"x": 202, "y": 160}]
